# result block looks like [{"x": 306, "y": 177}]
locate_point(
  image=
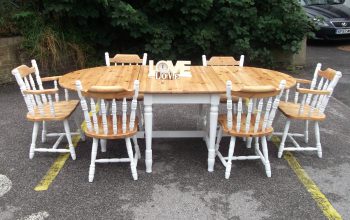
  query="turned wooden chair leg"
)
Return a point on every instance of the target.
[
  {"x": 230, "y": 155},
  {"x": 93, "y": 158},
  {"x": 131, "y": 156},
  {"x": 142, "y": 120},
  {"x": 249, "y": 142},
  {"x": 69, "y": 139},
  {"x": 202, "y": 116},
  {"x": 80, "y": 130},
  {"x": 257, "y": 146},
  {"x": 137, "y": 148},
  {"x": 266, "y": 156},
  {"x": 43, "y": 133},
  {"x": 103, "y": 143},
  {"x": 306, "y": 132},
  {"x": 318, "y": 141},
  {"x": 284, "y": 137},
  {"x": 34, "y": 136},
  {"x": 218, "y": 140}
]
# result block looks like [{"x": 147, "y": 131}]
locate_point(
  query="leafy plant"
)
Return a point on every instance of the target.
[{"x": 175, "y": 29}]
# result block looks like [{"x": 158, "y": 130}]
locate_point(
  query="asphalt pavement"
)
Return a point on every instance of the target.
[{"x": 180, "y": 187}]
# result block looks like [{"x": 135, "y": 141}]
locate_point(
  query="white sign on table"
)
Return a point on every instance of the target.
[{"x": 166, "y": 69}]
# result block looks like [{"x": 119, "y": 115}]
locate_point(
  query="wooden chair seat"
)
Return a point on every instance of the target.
[
  {"x": 242, "y": 133},
  {"x": 63, "y": 109},
  {"x": 110, "y": 134},
  {"x": 291, "y": 110}
]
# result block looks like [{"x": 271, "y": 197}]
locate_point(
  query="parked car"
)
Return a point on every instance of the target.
[{"x": 331, "y": 16}]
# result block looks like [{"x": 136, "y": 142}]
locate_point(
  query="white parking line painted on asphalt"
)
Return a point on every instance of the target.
[
  {"x": 5, "y": 185},
  {"x": 37, "y": 216}
]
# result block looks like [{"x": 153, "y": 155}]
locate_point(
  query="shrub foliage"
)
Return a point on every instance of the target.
[{"x": 168, "y": 29}]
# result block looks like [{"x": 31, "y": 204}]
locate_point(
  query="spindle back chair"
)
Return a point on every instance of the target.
[
  {"x": 126, "y": 59},
  {"x": 310, "y": 107},
  {"x": 218, "y": 61},
  {"x": 118, "y": 124},
  {"x": 251, "y": 121},
  {"x": 129, "y": 59},
  {"x": 222, "y": 61},
  {"x": 41, "y": 107}
]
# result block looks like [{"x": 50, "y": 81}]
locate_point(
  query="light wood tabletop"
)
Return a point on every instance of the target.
[
  {"x": 212, "y": 79},
  {"x": 205, "y": 79},
  {"x": 123, "y": 76}
]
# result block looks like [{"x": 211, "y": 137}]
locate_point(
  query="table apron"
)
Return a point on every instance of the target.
[{"x": 179, "y": 98}]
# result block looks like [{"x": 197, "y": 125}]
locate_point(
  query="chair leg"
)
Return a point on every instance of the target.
[
  {"x": 284, "y": 137},
  {"x": 249, "y": 142},
  {"x": 103, "y": 143},
  {"x": 266, "y": 156},
  {"x": 137, "y": 149},
  {"x": 202, "y": 119},
  {"x": 230, "y": 155},
  {"x": 318, "y": 141},
  {"x": 142, "y": 120},
  {"x": 306, "y": 132},
  {"x": 69, "y": 139},
  {"x": 34, "y": 136},
  {"x": 131, "y": 156},
  {"x": 82, "y": 135},
  {"x": 218, "y": 140},
  {"x": 93, "y": 158},
  {"x": 257, "y": 146},
  {"x": 43, "y": 133}
]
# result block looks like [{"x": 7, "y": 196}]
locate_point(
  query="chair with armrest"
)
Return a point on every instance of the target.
[
  {"x": 42, "y": 107},
  {"x": 311, "y": 107}
]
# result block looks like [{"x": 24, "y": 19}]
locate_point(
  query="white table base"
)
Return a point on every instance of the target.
[{"x": 208, "y": 135}]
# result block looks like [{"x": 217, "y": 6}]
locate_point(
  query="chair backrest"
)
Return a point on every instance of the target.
[
  {"x": 262, "y": 103},
  {"x": 222, "y": 61},
  {"x": 29, "y": 81},
  {"x": 126, "y": 59},
  {"x": 320, "y": 91},
  {"x": 105, "y": 94},
  {"x": 323, "y": 80}
]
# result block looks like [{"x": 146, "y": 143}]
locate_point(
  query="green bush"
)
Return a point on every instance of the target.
[{"x": 178, "y": 29}]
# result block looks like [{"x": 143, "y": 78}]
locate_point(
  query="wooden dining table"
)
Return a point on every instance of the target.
[{"x": 204, "y": 87}]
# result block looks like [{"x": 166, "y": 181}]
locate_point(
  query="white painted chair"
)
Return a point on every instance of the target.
[
  {"x": 126, "y": 59},
  {"x": 249, "y": 122},
  {"x": 111, "y": 126},
  {"x": 219, "y": 61},
  {"x": 311, "y": 107},
  {"x": 42, "y": 108},
  {"x": 222, "y": 61}
]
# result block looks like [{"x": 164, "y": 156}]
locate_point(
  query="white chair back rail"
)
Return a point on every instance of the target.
[
  {"x": 104, "y": 123},
  {"x": 126, "y": 59},
  {"x": 260, "y": 107},
  {"x": 222, "y": 61}
]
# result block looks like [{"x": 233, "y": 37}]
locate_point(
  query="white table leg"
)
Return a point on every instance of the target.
[
  {"x": 214, "y": 108},
  {"x": 148, "y": 117}
]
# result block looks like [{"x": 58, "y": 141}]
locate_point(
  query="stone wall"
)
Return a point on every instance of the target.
[
  {"x": 10, "y": 57},
  {"x": 287, "y": 59}
]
